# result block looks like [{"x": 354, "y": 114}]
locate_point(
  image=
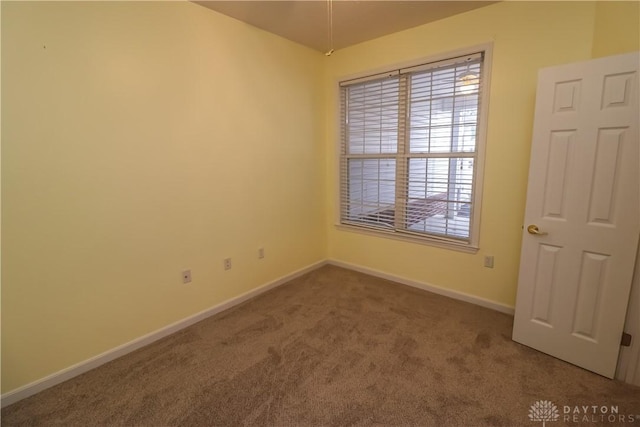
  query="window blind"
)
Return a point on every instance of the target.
[{"x": 409, "y": 147}]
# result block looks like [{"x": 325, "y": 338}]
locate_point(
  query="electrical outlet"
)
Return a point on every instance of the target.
[
  {"x": 186, "y": 276},
  {"x": 227, "y": 264},
  {"x": 488, "y": 261},
  {"x": 261, "y": 253}
]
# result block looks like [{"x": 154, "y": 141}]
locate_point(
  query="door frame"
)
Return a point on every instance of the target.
[{"x": 628, "y": 369}]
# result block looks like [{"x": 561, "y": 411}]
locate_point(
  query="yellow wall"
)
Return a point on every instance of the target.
[
  {"x": 141, "y": 139},
  {"x": 616, "y": 27},
  {"x": 526, "y": 36}
]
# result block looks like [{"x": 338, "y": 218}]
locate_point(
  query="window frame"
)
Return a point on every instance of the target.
[{"x": 473, "y": 244}]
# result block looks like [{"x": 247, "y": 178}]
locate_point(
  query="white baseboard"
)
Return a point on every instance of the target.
[
  {"x": 84, "y": 366},
  {"x": 503, "y": 308}
]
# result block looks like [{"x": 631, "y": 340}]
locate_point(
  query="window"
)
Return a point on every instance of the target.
[{"x": 410, "y": 150}]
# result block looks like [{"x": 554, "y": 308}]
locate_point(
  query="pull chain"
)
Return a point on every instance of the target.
[{"x": 330, "y": 25}]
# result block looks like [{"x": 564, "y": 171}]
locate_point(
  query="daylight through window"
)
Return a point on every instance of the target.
[{"x": 409, "y": 149}]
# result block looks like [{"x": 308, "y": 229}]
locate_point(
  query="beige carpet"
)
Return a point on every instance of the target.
[{"x": 333, "y": 347}]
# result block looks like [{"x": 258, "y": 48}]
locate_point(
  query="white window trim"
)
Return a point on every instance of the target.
[{"x": 473, "y": 245}]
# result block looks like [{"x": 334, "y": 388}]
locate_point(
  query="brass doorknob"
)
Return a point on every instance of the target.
[{"x": 533, "y": 229}]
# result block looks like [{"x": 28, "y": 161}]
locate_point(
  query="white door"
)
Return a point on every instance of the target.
[{"x": 582, "y": 219}]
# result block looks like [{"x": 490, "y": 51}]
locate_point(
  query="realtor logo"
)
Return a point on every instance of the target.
[{"x": 544, "y": 410}]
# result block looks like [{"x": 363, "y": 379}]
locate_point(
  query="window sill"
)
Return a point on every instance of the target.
[{"x": 438, "y": 243}]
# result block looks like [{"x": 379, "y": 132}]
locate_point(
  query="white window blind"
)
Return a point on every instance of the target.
[{"x": 409, "y": 149}]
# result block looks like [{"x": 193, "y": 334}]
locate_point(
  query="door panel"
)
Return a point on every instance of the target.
[{"x": 583, "y": 194}]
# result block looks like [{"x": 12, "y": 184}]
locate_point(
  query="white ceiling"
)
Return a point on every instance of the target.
[{"x": 306, "y": 21}]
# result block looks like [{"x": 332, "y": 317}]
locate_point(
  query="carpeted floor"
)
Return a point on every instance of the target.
[{"x": 333, "y": 347}]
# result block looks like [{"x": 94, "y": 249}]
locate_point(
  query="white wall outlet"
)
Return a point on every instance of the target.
[
  {"x": 261, "y": 253},
  {"x": 227, "y": 264},
  {"x": 186, "y": 276},
  {"x": 488, "y": 261}
]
